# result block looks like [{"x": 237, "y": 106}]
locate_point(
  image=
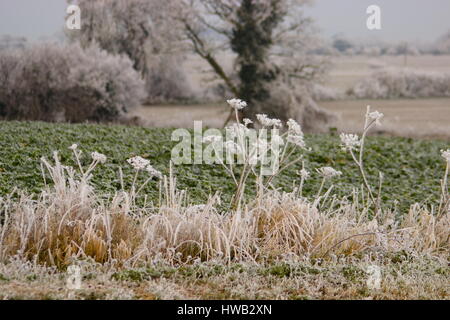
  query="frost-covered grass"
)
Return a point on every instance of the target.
[
  {"x": 70, "y": 221},
  {"x": 403, "y": 277}
]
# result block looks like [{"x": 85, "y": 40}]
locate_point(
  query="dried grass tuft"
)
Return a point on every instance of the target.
[{"x": 70, "y": 221}]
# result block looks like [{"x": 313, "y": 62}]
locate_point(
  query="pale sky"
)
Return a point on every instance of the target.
[
  {"x": 32, "y": 18},
  {"x": 402, "y": 20}
]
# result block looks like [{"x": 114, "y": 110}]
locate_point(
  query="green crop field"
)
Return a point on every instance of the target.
[{"x": 412, "y": 168}]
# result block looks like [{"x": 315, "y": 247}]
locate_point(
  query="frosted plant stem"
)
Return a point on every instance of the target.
[
  {"x": 321, "y": 187},
  {"x": 366, "y": 183},
  {"x": 445, "y": 197},
  {"x": 78, "y": 162}
]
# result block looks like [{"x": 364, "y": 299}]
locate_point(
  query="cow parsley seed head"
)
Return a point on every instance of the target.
[
  {"x": 446, "y": 155},
  {"x": 374, "y": 116},
  {"x": 267, "y": 122},
  {"x": 138, "y": 163},
  {"x": 98, "y": 157},
  {"x": 328, "y": 172},
  {"x": 247, "y": 122},
  {"x": 237, "y": 104},
  {"x": 153, "y": 172},
  {"x": 263, "y": 119},
  {"x": 276, "y": 123},
  {"x": 350, "y": 141},
  {"x": 236, "y": 130},
  {"x": 297, "y": 140},
  {"x": 295, "y": 127},
  {"x": 374, "y": 277},
  {"x": 304, "y": 174}
]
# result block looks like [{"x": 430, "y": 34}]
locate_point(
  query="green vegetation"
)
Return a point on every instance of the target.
[{"x": 412, "y": 168}]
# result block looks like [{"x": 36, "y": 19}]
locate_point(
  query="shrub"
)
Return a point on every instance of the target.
[
  {"x": 323, "y": 93},
  {"x": 66, "y": 83},
  {"x": 442, "y": 45},
  {"x": 342, "y": 45},
  {"x": 394, "y": 83},
  {"x": 167, "y": 82},
  {"x": 140, "y": 30}
]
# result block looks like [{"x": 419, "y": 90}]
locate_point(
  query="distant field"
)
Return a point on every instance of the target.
[
  {"x": 347, "y": 71},
  {"x": 405, "y": 117},
  {"x": 183, "y": 116}
]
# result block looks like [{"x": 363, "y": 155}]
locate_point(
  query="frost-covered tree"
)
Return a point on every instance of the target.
[
  {"x": 443, "y": 44},
  {"x": 51, "y": 82},
  {"x": 121, "y": 27},
  {"x": 141, "y": 30},
  {"x": 342, "y": 44},
  {"x": 270, "y": 39}
]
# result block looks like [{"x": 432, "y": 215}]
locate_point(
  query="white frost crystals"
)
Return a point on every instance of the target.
[
  {"x": 267, "y": 122},
  {"x": 295, "y": 134},
  {"x": 247, "y": 122},
  {"x": 153, "y": 172},
  {"x": 139, "y": 163},
  {"x": 98, "y": 157},
  {"x": 73, "y": 281},
  {"x": 299, "y": 141},
  {"x": 237, "y": 104},
  {"x": 374, "y": 277},
  {"x": 294, "y": 127},
  {"x": 304, "y": 174},
  {"x": 350, "y": 141},
  {"x": 446, "y": 155},
  {"x": 328, "y": 172},
  {"x": 375, "y": 116}
]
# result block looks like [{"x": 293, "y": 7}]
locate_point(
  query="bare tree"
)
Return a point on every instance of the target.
[
  {"x": 141, "y": 30},
  {"x": 270, "y": 39},
  {"x": 442, "y": 45}
]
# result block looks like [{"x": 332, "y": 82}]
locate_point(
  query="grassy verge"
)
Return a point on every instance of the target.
[{"x": 412, "y": 168}]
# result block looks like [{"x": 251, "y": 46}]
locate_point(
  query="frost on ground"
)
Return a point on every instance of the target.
[{"x": 403, "y": 276}]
